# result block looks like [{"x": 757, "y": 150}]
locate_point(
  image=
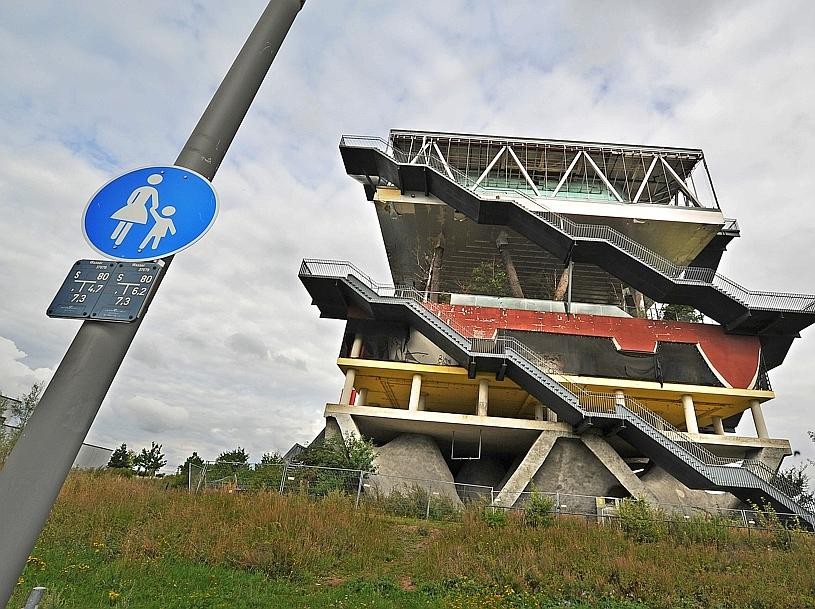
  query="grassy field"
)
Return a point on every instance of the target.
[{"x": 115, "y": 542}]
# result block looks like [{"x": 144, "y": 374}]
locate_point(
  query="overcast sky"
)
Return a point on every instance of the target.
[{"x": 232, "y": 352}]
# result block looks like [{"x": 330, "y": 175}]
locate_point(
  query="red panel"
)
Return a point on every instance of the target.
[{"x": 734, "y": 359}]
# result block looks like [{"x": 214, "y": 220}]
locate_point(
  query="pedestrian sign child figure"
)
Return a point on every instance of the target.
[
  {"x": 135, "y": 210},
  {"x": 163, "y": 225}
]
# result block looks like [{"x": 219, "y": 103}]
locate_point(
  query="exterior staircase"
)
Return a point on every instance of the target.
[
  {"x": 776, "y": 317},
  {"x": 336, "y": 287}
]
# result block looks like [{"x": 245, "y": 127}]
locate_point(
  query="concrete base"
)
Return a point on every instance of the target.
[
  {"x": 486, "y": 471},
  {"x": 668, "y": 490},
  {"x": 417, "y": 460}
]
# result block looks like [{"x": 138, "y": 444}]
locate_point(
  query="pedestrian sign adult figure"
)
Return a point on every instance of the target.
[
  {"x": 129, "y": 219},
  {"x": 135, "y": 210}
]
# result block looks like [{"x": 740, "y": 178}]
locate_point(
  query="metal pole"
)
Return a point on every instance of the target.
[
  {"x": 37, "y": 467},
  {"x": 34, "y": 598},
  {"x": 359, "y": 488}
]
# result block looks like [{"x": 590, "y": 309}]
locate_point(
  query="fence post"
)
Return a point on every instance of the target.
[
  {"x": 429, "y": 498},
  {"x": 359, "y": 488},
  {"x": 189, "y": 478},
  {"x": 557, "y": 502},
  {"x": 283, "y": 477},
  {"x": 34, "y": 598}
]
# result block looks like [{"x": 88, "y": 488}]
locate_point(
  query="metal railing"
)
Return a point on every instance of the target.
[
  {"x": 771, "y": 301},
  {"x": 720, "y": 470}
]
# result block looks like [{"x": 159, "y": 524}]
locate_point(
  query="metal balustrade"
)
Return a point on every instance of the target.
[
  {"x": 721, "y": 471},
  {"x": 770, "y": 301}
]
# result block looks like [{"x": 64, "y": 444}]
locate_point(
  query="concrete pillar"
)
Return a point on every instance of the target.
[
  {"x": 350, "y": 376},
  {"x": 415, "y": 392},
  {"x": 356, "y": 348},
  {"x": 718, "y": 426},
  {"x": 362, "y": 397},
  {"x": 758, "y": 419},
  {"x": 540, "y": 412},
  {"x": 551, "y": 416},
  {"x": 422, "y": 401},
  {"x": 619, "y": 397},
  {"x": 483, "y": 397},
  {"x": 690, "y": 414}
]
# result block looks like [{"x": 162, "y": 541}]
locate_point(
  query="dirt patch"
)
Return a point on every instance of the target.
[
  {"x": 406, "y": 583},
  {"x": 334, "y": 581}
]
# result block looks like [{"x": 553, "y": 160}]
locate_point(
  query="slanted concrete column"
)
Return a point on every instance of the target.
[
  {"x": 356, "y": 347},
  {"x": 483, "y": 397},
  {"x": 690, "y": 414},
  {"x": 718, "y": 426},
  {"x": 758, "y": 419},
  {"x": 540, "y": 412},
  {"x": 348, "y": 387},
  {"x": 362, "y": 397},
  {"x": 415, "y": 392}
]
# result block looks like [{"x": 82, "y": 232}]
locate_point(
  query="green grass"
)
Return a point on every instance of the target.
[{"x": 157, "y": 548}]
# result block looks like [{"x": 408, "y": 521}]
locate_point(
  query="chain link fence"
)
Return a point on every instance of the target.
[{"x": 431, "y": 499}]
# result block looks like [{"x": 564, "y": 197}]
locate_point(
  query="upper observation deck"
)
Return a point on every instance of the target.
[{"x": 661, "y": 197}]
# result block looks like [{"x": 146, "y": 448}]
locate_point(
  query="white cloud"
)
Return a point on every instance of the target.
[{"x": 231, "y": 342}]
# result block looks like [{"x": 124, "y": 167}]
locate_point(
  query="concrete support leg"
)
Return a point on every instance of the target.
[
  {"x": 415, "y": 392},
  {"x": 348, "y": 387},
  {"x": 483, "y": 397},
  {"x": 718, "y": 426},
  {"x": 540, "y": 412},
  {"x": 530, "y": 465},
  {"x": 619, "y": 397},
  {"x": 758, "y": 419},
  {"x": 356, "y": 348},
  {"x": 690, "y": 414},
  {"x": 614, "y": 463},
  {"x": 362, "y": 397},
  {"x": 422, "y": 401}
]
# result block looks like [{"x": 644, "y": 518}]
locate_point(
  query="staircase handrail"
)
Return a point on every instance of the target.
[
  {"x": 589, "y": 402},
  {"x": 780, "y": 301}
]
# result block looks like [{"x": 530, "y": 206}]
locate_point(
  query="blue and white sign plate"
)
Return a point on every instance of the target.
[{"x": 149, "y": 213}]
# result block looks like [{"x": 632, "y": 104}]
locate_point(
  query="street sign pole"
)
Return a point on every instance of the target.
[{"x": 42, "y": 457}]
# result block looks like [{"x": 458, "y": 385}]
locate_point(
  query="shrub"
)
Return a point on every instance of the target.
[
  {"x": 494, "y": 518},
  {"x": 538, "y": 511},
  {"x": 642, "y": 522}
]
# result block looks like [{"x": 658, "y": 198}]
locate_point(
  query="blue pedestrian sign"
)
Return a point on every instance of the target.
[{"x": 149, "y": 213}]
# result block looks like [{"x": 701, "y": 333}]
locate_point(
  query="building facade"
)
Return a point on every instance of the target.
[{"x": 555, "y": 321}]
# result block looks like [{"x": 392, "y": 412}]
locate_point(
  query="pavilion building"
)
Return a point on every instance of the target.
[{"x": 555, "y": 321}]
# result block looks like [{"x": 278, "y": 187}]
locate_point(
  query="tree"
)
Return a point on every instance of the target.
[
  {"x": 343, "y": 453},
  {"x": 271, "y": 459},
  {"x": 489, "y": 279},
  {"x": 796, "y": 478},
  {"x": 193, "y": 459},
  {"x": 148, "y": 462},
  {"x": 22, "y": 408},
  {"x": 678, "y": 312},
  {"x": 121, "y": 458},
  {"x": 239, "y": 455}
]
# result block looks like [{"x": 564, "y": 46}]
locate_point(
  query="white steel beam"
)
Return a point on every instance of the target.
[
  {"x": 523, "y": 171},
  {"x": 443, "y": 161},
  {"x": 603, "y": 177},
  {"x": 566, "y": 175},
  {"x": 682, "y": 186},
  {"x": 645, "y": 179},
  {"x": 418, "y": 154},
  {"x": 490, "y": 166}
]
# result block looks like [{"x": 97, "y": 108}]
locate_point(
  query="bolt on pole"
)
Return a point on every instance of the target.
[{"x": 42, "y": 457}]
